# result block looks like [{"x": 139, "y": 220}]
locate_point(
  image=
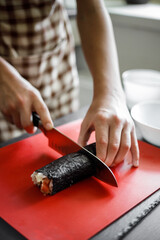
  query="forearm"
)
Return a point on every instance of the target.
[
  {"x": 18, "y": 99},
  {"x": 108, "y": 114},
  {"x": 99, "y": 47},
  {"x": 12, "y": 73}
]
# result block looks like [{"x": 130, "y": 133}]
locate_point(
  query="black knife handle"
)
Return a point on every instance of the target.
[{"x": 36, "y": 119}]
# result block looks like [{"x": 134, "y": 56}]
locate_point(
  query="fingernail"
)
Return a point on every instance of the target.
[
  {"x": 49, "y": 126},
  {"x": 31, "y": 129},
  {"x": 34, "y": 129},
  {"x": 136, "y": 163}
]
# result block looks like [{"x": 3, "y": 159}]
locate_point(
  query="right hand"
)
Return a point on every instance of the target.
[{"x": 18, "y": 99}]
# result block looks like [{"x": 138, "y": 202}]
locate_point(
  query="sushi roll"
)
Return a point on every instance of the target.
[{"x": 65, "y": 171}]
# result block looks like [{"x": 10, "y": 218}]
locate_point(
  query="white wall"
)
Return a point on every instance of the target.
[{"x": 137, "y": 36}]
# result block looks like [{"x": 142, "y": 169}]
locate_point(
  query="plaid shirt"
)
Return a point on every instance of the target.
[{"x": 36, "y": 38}]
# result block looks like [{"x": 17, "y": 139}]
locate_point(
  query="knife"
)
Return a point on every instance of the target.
[{"x": 65, "y": 145}]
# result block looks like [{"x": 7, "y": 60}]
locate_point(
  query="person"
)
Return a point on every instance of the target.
[{"x": 38, "y": 73}]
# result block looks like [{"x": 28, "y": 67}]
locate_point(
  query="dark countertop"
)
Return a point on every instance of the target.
[{"x": 141, "y": 222}]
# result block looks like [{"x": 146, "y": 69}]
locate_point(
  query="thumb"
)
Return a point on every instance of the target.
[{"x": 43, "y": 112}]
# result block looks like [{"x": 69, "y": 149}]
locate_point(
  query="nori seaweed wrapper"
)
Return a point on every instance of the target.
[{"x": 70, "y": 169}]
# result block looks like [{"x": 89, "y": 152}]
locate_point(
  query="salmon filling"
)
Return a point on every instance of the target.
[{"x": 45, "y": 184}]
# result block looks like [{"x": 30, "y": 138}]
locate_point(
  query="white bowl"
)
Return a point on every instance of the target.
[
  {"x": 146, "y": 115},
  {"x": 140, "y": 85}
]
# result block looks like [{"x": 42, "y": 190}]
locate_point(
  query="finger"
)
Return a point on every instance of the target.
[
  {"x": 134, "y": 149},
  {"x": 125, "y": 145},
  {"x": 31, "y": 129},
  {"x": 16, "y": 120},
  {"x": 113, "y": 144},
  {"x": 7, "y": 115},
  {"x": 26, "y": 119},
  {"x": 84, "y": 134},
  {"x": 41, "y": 109},
  {"x": 101, "y": 141},
  {"x": 8, "y": 118}
]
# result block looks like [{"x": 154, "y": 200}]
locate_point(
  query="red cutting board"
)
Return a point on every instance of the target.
[{"x": 78, "y": 212}]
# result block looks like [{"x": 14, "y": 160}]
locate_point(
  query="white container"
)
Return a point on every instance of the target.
[
  {"x": 146, "y": 115},
  {"x": 140, "y": 85}
]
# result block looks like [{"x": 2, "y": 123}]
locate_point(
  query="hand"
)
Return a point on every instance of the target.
[
  {"x": 114, "y": 131},
  {"x": 18, "y": 99}
]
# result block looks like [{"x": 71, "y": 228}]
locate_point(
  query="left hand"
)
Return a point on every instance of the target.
[{"x": 114, "y": 131}]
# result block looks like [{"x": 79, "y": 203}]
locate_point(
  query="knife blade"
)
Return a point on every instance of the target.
[{"x": 65, "y": 145}]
